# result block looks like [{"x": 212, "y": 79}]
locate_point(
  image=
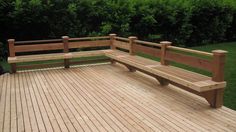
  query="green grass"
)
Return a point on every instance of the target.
[{"x": 230, "y": 69}]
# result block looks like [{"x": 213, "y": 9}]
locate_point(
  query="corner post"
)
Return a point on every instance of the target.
[
  {"x": 112, "y": 40},
  {"x": 131, "y": 43},
  {"x": 12, "y": 53},
  {"x": 65, "y": 40},
  {"x": 219, "y": 58},
  {"x": 164, "y": 45}
]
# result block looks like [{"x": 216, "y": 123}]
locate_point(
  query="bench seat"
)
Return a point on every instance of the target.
[
  {"x": 194, "y": 81},
  {"x": 54, "y": 56}
]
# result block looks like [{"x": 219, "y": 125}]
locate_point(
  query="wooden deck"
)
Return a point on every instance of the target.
[{"x": 102, "y": 98}]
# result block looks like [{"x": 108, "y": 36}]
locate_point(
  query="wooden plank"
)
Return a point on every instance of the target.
[
  {"x": 147, "y": 50},
  {"x": 189, "y": 60},
  {"x": 122, "y": 45},
  {"x": 39, "y": 66},
  {"x": 190, "y": 51},
  {"x": 38, "y": 41},
  {"x": 42, "y": 57},
  {"x": 85, "y": 44},
  {"x": 89, "y": 38},
  {"x": 38, "y": 47},
  {"x": 13, "y": 108},
  {"x": 3, "y": 102}
]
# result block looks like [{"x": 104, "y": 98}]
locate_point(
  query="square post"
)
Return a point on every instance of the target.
[
  {"x": 219, "y": 58},
  {"x": 164, "y": 45},
  {"x": 12, "y": 53},
  {"x": 131, "y": 43},
  {"x": 65, "y": 40},
  {"x": 112, "y": 40}
]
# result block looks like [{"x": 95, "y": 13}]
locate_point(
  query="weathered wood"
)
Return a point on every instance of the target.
[
  {"x": 215, "y": 97},
  {"x": 121, "y": 44},
  {"x": 147, "y": 43},
  {"x": 40, "y": 66},
  {"x": 131, "y": 44},
  {"x": 162, "y": 81},
  {"x": 164, "y": 45},
  {"x": 66, "y": 50},
  {"x": 112, "y": 41},
  {"x": 89, "y": 38},
  {"x": 92, "y": 43},
  {"x": 147, "y": 50},
  {"x": 39, "y": 47},
  {"x": 11, "y": 44},
  {"x": 38, "y": 41},
  {"x": 219, "y": 58},
  {"x": 190, "y": 51},
  {"x": 189, "y": 60}
]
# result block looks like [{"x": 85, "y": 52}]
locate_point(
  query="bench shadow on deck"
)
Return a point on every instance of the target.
[{"x": 102, "y": 98}]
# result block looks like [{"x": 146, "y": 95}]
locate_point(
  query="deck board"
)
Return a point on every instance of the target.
[{"x": 102, "y": 98}]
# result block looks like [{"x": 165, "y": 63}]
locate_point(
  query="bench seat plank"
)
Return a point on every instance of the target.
[
  {"x": 189, "y": 79},
  {"x": 54, "y": 56}
]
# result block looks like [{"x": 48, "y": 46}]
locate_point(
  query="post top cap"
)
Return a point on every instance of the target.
[
  {"x": 10, "y": 40},
  {"x": 132, "y": 37},
  {"x": 165, "y": 42},
  {"x": 219, "y": 51},
  {"x": 65, "y": 37},
  {"x": 112, "y": 34}
]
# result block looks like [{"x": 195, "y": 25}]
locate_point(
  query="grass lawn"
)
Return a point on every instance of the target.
[{"x": 230, "y": 70}]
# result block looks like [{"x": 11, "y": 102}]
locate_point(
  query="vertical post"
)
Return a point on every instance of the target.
[
  {"x": 164, "y": 45},
  {"x": 219, "y": 57},
  {"x": 11, "y": 44},
  {"x": 131, "y": 43},
  {"x": 66, "y": 50},
  {"x": 112, "y": 40}
]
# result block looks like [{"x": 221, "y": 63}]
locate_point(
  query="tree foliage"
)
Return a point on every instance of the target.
[{"x": 185, "y": 22}]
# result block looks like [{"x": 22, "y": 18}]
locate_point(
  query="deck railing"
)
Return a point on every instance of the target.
[{"x": 212, "y": 62}]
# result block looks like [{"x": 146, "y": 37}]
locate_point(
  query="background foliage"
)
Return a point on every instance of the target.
[{"x": 185, "y": 22}]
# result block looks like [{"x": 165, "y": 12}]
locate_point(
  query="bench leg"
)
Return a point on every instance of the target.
[
  {"x": 131, "y": 69},
  {"x": 13, "y": 68},
  {"x": 113, "y": 61},
  {"x": 66, "y": 63},
  {"x": 214, "y": 97},
  {"x": 162, "y": 81}
]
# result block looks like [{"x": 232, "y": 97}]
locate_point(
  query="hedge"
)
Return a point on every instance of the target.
[{"x": 185, "y": 22}]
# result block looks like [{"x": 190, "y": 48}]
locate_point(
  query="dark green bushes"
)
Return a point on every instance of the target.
[{"x": 185, "y": 22}]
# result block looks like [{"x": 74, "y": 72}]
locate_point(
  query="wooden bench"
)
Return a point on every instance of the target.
[
  {"x": 125, "y": 50},
  {"x": 63, "y": 44},
  {"x": 211, "y": 88}
]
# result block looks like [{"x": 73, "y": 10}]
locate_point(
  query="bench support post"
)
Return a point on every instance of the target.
[
  {"x": 131, "y": 43},
  {"x": 11, "y": 44},
  {"x": 66, "y": 50},
  {"x": 112, "y": 41},
  {"x": 164, "y": 45},
  {"x": 162, "y": 81},
  {"x": 215, "y": 97}
]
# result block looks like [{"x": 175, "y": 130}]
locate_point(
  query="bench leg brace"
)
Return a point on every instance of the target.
[
  {"x": 214, "y": 97},
  {"x": 131, "y": 69},
  {"x": 162, "y": 81}
]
